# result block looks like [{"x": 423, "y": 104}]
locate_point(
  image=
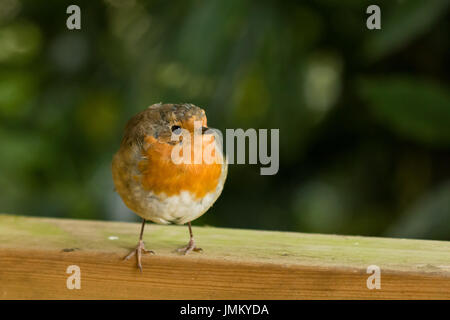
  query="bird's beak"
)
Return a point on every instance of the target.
[{"x": 204, "y": 130}]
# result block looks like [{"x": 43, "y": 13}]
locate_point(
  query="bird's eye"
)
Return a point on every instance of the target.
[{"x": 176, "y": 129}]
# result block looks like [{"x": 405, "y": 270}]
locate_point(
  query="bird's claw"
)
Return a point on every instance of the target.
[
  {"x": 189, "y": 247},
  {"x": 138, "y": 252}
]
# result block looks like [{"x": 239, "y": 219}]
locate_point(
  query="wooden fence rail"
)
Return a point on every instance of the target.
[{"x": 35, "y": 254}]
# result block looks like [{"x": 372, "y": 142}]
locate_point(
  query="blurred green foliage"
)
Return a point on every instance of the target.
[{"x": 364, "y": 116}]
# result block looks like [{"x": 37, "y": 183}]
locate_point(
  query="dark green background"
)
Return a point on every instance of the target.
[{"x": 364, "y": 116}]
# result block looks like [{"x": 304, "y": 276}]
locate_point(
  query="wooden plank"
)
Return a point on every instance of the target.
[{"x": 235, "y": 264}]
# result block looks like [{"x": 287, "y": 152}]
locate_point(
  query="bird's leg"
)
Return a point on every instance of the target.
[
  {"x": 139, "y": 248},
  {"x": 191, "y": 245}
]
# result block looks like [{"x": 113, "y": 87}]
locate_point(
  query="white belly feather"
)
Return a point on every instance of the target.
[{"x": 178, "y": 209}]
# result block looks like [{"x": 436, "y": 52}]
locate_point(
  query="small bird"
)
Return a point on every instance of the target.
[{"x": 156, "y": 187}]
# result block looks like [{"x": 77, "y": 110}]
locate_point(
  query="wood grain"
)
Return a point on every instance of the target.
[{"x": 235, "y": 264}]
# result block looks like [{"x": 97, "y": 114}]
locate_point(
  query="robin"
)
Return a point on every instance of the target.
[{"x": 156, "y": 187}]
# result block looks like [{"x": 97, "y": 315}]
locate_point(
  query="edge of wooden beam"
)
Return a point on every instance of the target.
[{"x": 236, "y": 264}]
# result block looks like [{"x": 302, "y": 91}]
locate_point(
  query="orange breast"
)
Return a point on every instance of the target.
[{"x": 161, "y": 175}]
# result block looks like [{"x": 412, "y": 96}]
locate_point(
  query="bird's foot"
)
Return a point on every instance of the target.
[
  {"x": 140, "y": 248},
  {"x": 190, "y": 247}
]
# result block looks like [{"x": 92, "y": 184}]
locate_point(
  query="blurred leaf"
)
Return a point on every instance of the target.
[
  {"x": 16, "y": 91},
  {"x": 19, "y": 42},
  {"x": 97, "y": 116},
  {"x": 61, "y": 52},
  {"x": 417, "y": 109},
  {"x": 404, "y": 22},
  {"x": 10, "y": 9},
  {"x": 22, "y": 150},
  {"x": 251, "y": 99},
  {"x": 214, "y": 23},
  {"x": 303, "y": 18},
  {"x": 428, "y": 218},
  {"x": 322, "y": 82},
  {"x": 320, "y": 206}
]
